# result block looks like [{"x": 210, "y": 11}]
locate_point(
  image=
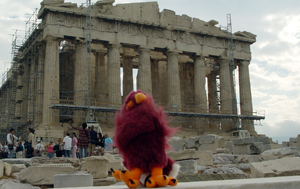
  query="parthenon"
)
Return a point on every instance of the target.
[{"x": 183, "y": 62}]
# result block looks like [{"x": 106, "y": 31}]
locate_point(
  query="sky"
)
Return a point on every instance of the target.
[{"x": 275, "y": 65}]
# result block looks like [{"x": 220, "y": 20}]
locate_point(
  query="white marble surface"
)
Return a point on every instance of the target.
[{"x": 292, "y": 182}]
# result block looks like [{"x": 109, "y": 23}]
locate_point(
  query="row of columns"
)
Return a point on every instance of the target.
[{"x": 145, "y": 80}]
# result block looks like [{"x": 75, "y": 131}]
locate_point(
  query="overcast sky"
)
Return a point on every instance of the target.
[{"x": 275, "y": 64}]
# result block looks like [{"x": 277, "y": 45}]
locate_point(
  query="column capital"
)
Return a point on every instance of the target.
[
  {"x": 144, "y": 49},
  {"x": 198, "y": 56},
  {"x": 114, "y": 45},
  {"x": 173, "y": 52},
  {"x": 50, "y": 38},
  {"x": 244, "y": 62},
  {"x": 224, "y": 60}
]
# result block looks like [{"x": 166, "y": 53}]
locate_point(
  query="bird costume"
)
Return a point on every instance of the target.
[{"x": 141, "y": 134}]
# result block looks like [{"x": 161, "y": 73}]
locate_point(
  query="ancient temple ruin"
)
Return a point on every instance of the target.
[{"x": 70, "y": 63}]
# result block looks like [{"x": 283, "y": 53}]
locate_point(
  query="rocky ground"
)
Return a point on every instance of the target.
[{"x": 202, "y": 158}]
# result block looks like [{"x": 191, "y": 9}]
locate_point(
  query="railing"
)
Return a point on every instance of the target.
[{"x": 81, "y": 102}]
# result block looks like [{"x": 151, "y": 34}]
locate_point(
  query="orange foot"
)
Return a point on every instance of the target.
[
  {"x": 157, "y": 178},
  {"x": 173, "y": 181},
  {"x": 130, "y": 178}
]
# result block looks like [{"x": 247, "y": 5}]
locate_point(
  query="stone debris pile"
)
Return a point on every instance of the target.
[
  {"x": 293, "y": 142},
  {"x": 250, "y": 145}
]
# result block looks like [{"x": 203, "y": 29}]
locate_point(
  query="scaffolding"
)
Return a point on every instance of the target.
[
  {"x": 19, "y": 84},
  {"x": 232, "y": 71}
]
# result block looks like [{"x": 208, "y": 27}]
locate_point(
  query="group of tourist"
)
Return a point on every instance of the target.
[
  {"x": 14, "y": 148},
  {"x": 88, "y": 143},
  {"x": 88, "y": 140}
]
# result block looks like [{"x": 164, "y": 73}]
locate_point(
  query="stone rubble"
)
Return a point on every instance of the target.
[
  {"x": 1, "y": 169},
  {"x": 288, "y": 166},
  {"x": 196, "y": 164},
  {"x": 14, "y": 184},
  {"x": 7, "y": 169},
  {"x": 285, "y": 151},
  {"x": 97, "y": 166},
  {"x": 250, "y": 145},
  {"x": 73, "y": 180},
  {"x": 18, "y": 167},
  {"x": 44, "y": 174}
]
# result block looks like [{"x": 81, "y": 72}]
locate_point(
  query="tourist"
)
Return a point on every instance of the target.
[
  {"x": 30, "y": 137},
  {"x": 67, "y": 144},
  {"x": 58, "y": 148},
  {"x": 38, "y": 150},
  {"x": 94, "y": 140},
  {"x": 100, "y": 140},
  {"x": 83, "y": 139},
  {"x": 5, "y": 150},
  {"x": 28, "y": 144},
  {"x": 49, "y": 149},
  {"x": 108, "y": 143},
  {"x": 11, "y": 141},
  {"x": 19, "y": 150},
  {"x": 74, "y": 145}
]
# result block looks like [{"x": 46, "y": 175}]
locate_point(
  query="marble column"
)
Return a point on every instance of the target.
[
  {"x": 31, "y": 92},
  {"x": 226, "y": 93},
  {"x": 25, "y": 82},
  {"x": 199, "y": 84},
  {"x": 114, "y": 80},
  {"x": 155, "y": 80},
  {"x": 51, "y": 82},
  {"x": 80, "y": 81},
  {"x": 200, "y": 91},
  {"x": 127, "y": 75},
  {"x": 174, "y": 93},
  {"x": 245, "y": 95},
  {"x": 40, "y": 83},
  {"x": 213, "y": 100},
  {"x": 100, "y": 77},
  {"x": 144, "y": 74}
]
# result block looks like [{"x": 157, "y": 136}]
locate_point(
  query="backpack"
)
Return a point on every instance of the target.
[{"x": 56, "y": 147}]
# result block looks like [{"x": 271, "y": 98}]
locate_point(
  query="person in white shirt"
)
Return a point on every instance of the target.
[
  {"x": 67, "y": 143},
  {"x": 12, "y": 142},
  {"x": 38, "y": 150}
]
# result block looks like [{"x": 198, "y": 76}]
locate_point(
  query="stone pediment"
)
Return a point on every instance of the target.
[
  {"x": 139, "y": 17},
  {"x": 245, "y": 34},
  {"x": 51, "y": 2}
]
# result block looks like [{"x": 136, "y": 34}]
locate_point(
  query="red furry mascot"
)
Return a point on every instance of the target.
[{"x": 141, "y": 133}]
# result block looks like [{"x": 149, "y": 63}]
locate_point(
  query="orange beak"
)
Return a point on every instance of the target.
[{"x": 139, "y": 98}]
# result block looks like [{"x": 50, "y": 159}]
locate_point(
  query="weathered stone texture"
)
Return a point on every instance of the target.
[
  {"x": 97, "y": 166},
  {"x": 74, "y": 180},
  {"x": 44, "y": 174},
  {"x": 288, "y": 166}
]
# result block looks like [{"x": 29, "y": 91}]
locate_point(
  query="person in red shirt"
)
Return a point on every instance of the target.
[{"x": 84, "y": 139}]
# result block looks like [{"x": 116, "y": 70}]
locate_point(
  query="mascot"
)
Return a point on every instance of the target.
[{"x": 141, "y": 134}]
